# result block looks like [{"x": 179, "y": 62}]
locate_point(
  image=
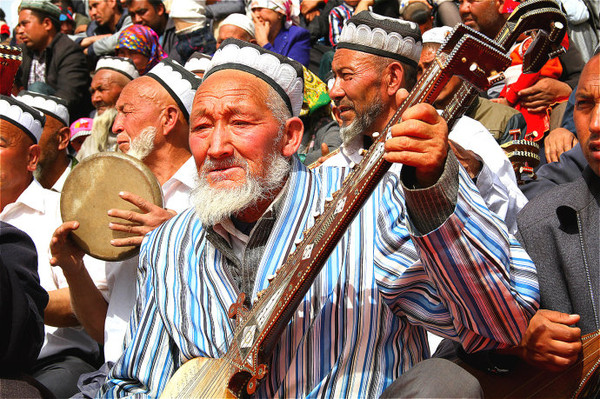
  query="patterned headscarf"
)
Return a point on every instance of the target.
[
  {"x": 144, "y": 40},
  {"x": 289, "y": 8}
]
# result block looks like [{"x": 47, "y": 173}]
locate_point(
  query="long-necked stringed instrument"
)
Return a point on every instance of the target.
[{"x": 470, "y": 56}]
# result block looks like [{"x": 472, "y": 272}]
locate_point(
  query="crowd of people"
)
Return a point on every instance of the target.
[{"x": 251, "y": 115}]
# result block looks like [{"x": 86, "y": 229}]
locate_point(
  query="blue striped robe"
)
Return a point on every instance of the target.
[{"x": 362, "y": 323}]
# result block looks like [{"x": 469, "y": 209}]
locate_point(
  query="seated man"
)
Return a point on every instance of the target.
[
  {"x": 111, "y": 75},
  {"x": 151, "y": 125},
  {"x": 55, "y": 163},
  {"x": 560, "y": 231},
  {"x": 361, "y": 323},
  {"x": 52, "y": 63},
  {"x": 68, "y": 351},
  {"x": 153, "y": 14},
  {"x": 368, "y": 79},
  {"x": 108, "y": 20}
]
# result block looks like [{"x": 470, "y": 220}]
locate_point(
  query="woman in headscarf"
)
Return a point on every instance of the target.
[
  {"x": 276, "y": 28},
  {"x": 140, "y": 44}
]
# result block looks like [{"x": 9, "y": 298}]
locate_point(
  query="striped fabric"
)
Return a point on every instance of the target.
[
  {"x": 337, "y": 16},
  {"x": 361, "y": 323}
]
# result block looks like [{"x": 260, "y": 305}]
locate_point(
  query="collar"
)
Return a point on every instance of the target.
[
  {"x": 32, "y": 197},
  {"x": 186, "y": 175}
]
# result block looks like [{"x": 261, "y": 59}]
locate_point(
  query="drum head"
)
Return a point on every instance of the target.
[{"x": 92, "y": 188}]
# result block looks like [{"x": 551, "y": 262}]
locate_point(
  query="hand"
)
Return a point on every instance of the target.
[
  {"x": 542, "y": 94},
  {"x": 364, "y": 5},
  {"x": 143, "y": 223},
  {"x": 550, "y": 342},
  {"x": 309, "y": 16},
  {"x": 307, "y": 6},
  {"x": 88, "y": 41},
  {"x": 558, "y": 141},
  {"x": 419, "y": 140},
  {"x": 261, "y": 30},
  {"x": 500, "y": 100},
  {"x": 65, "y": 253},
  {"x": 467, "y": 158}
]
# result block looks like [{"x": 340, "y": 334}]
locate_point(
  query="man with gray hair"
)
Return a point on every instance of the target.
[
  {"x": 151, "y": 125},
  {"x": 361, "y": 323},
  {"x": 112, "y": 74},
  {"x": 370, "y": 75}
]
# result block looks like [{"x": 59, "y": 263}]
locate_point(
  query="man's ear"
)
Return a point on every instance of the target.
[
  {"x": 33, "y": 156},
  {"x": 499, "y": 6},
  {"x": 169, "y": 119},
  {"x": 48, "y": 25},
  {"x": 294, "y": 129},
  {"x": 394, "y": 78},
  {"x": 63, "y": 135}
]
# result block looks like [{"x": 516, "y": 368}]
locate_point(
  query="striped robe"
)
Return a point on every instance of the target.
[{"x": 362, "y": 323}]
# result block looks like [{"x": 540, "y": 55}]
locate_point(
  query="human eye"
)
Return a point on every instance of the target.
[{"x": 583, "y": 103}]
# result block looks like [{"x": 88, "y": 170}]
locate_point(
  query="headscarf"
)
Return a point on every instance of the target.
[
  {"x": 144, "y": 40},
  {"x": 315, "y": 93},
  {"x": 289, "y": 8}
]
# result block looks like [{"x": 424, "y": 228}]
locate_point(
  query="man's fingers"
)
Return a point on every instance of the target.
[
  {"x": 127, "y": 242},
  {"x": 129, "y": 228},
  {"x": 422, "y": 112},
  {"x": 324, "y": 149},
  {"x": 137, "y": 201},
  {"x": 401, "y": 95},
  {"x": 559, "y": 317}
]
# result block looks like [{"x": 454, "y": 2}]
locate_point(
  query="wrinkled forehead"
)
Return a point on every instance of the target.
[{"x": 231, "y": 85}]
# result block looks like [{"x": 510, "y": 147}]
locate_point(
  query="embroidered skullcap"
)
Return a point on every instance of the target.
[
  {"x": 241, "y": 21},
  {"x": 283, "y": 74},
  {"x": 437, "y": 35},
  {"x": 198, "y": 62},
  {"x": 49, "y": 105},
  {"x": 81, "y": 127},
  {"x": 179, "y": 82},
  {"x": 383, "y": 36},
  {"x": 145, "y": 41},
  {"x": 44, "y": 6},
  {"x": 29, "y": 120},
  {"x": 289, "y": 8},
  {"x": 118, "y": 64}
]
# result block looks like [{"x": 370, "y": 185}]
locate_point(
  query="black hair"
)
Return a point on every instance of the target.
[{"x": 41, "y": 15}]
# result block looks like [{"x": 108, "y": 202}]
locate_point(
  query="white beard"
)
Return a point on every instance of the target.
[
  {"x": 101, "y": 129},
  {"x": 214, "y": 205},
  {"x": 141, "y": 146}
]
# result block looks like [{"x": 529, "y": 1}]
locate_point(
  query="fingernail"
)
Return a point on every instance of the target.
[
  {"x": 122, "y": 193},
  {"x": 112, "y": 242}
]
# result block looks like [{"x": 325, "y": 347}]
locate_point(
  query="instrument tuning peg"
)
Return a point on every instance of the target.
[
  {"x": 492, "y": 80},
  {"x": 352, "y": 165},
  {"x": 556, "y": 53},
  {"x": 260, "y": 293},
  {"x": 362, "y": 151},
  {"x": 375, "y": 135},
  {"x": 271, "y": 277}
]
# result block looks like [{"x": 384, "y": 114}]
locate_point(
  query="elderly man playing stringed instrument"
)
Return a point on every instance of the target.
[{"x": 422, "y": 252}]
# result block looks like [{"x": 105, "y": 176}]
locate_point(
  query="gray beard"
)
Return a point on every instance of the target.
[
  {"x": 213, "y": 205},
  {"x": 141, "y": 146},
  {"x": 362, "y": 123}
]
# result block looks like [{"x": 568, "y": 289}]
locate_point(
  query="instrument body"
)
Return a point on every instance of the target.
[
  {"x": 10, "y": 60},
  {"x": 92, "y": 188}
]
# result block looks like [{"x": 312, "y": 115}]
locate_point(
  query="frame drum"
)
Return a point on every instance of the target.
[{"x": 92, "y": 188}]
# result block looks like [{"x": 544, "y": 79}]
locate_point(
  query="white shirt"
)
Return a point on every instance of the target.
[
  {"x": 37, "y": 212},
  {"x": 121, "y": 275},
  {"x": 496, "y": 181},
  {"x": 60, "y": 183}
]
